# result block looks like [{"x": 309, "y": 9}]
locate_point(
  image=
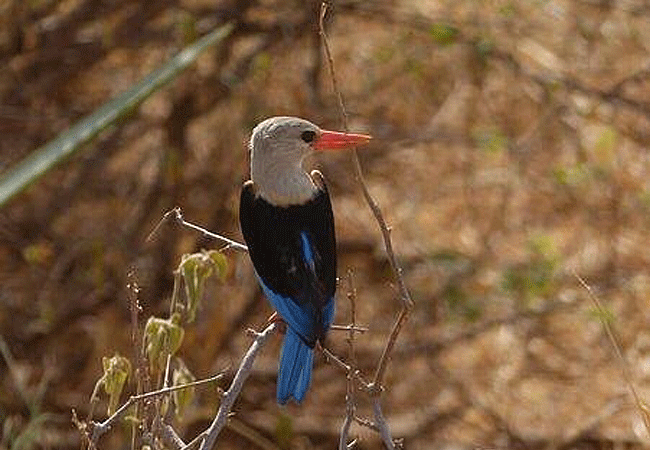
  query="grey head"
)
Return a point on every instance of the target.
[{"x": 278, "y": 147}]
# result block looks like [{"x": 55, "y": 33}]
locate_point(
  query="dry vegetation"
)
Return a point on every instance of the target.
[{"x": 510, "y": 151}]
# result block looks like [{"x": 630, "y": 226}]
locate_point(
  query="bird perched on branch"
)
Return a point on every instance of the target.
[{"x": 287, "y": 222}]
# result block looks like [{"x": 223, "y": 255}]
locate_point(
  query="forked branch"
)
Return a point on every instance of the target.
[
  {"x": 407, "y": 301},
  {"x": 376, "y": 386},
  {"x": 236, "y": 386}
]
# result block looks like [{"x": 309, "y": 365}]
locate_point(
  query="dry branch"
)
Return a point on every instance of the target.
[
  {"x": 236, "y": 386},
  {"x": 407, "y": 302},
  {"x": 375, "y": 387},
  {"x": 99, "y": 428},
  {"x": 177, "y": 216},
  {"x": 350, "y": 404}
]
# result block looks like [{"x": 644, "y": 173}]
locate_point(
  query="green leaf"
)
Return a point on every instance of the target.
[
  {"x": 220, "y": 263},
  {"x": 182, "y": 397},
  {"x": 45, "y": 158},
  {"x": 189, "y": 269},
  {"x": 461, "y": 304},
  {"x": 195, "y": 269},
  {"x": 534, "y": 279},
  {"x": 455, "y": 296},
  {"x": 162, "y": 338},
  {"x": 116, "y": 371}
]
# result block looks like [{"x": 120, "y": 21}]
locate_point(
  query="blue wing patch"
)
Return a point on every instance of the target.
[
  {"x": 307, "y": 251},
  {"x": 300, "y": 318}
]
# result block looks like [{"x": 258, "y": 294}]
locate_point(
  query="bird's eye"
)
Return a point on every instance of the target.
[{"x": 308, "y": 136}]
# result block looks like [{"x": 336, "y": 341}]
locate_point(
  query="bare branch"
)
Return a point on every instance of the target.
[
  {"x": 348, "y": 369},
  {"x": 381, "y": 423},
  {"x": 345, "y": 428},
  {"x": 135, "y": 308},
  {"x": 350, "y": 406},
  {"x": 100, "y": 428},
  {"x": 198, "y": 440},
  {"x": 236, "y": 386},
  {"x": 376, "y": 384},
  {"x": 168, "y": 435},
  {"x": 177, "y": 216},
  {"x": 349, "y": 328},
  {"x": 407, "y": 302},
  {"x": 379, "y": 217},
  {"x": 375, "y": 388},
  {"x": 366, "y": 423}
]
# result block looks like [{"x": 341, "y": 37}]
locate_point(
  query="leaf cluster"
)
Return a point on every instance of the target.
[{"x": 161, "y": 340}]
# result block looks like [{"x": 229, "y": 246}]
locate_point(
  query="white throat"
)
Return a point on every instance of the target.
[{"x": 282, "y": 182}]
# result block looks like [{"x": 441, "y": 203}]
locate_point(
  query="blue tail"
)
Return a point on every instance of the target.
[{"x": 294, "y": 373}]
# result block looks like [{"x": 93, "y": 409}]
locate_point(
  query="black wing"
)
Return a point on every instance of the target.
[{"x": 275, "y": 237}]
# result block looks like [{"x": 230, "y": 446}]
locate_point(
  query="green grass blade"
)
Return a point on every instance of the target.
[{"x": 18, "y": 178}]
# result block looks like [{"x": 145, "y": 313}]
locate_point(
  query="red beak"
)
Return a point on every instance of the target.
[{"x": 334, "y": 140}]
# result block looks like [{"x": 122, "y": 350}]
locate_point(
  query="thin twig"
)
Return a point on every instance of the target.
[
  {"x": 196, "y": 441},
  {"x": 134, "y": 306},
  {"x": 349, "y": 328},
  {"x": 407, "y": 302},
  {"x": 379, "y": 217},
  {"x": 177, "y": 215},
  {"x": 350, "y": 406},
  {"x": 613, "y": 339},
  {"x": 236, "y": 386},
  {"x": 390, "y": 344},
  {"x": 100, "y": 428},
  {"x": 168, "y": 435},
  {"x": 356, "y": 374},
  {"x": 381, "y": 423}
]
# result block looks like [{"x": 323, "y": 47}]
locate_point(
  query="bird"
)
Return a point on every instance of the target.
[{"x": 287, "y": 223}]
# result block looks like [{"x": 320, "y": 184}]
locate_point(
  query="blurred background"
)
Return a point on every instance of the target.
[{"x": 510, "y": 153}]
